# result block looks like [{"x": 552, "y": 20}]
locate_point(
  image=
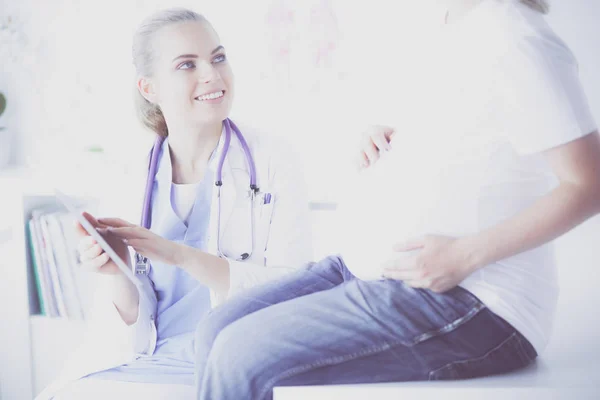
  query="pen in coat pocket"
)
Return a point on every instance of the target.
[{"x": 267, "y": 198}]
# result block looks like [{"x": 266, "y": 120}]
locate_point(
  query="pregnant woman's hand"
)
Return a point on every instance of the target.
[
  {"x": 440, "y": 263},
  {"x": 374, "y": 140}
]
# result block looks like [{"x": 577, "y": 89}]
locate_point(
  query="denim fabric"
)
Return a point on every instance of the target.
[{"x": 323, "y": 326}]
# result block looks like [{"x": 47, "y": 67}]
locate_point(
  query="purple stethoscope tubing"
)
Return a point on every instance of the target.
[{"x": 142, "y": 262}]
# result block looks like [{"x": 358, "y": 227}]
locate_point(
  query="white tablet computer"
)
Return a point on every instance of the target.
[{"x": 69, "y": 204}]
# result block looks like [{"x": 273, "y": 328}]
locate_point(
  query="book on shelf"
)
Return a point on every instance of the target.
[
  {"x": 59, "y": 281},
  {"x": 37, "y": 263}
]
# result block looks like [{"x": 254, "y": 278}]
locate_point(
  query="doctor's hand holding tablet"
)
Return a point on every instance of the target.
[
  {"x": 105, "y": 254},
  {"x": 93, "y": 257},
  {"x": 119, "y": 234},
  {"x": 145, "y": 242}
]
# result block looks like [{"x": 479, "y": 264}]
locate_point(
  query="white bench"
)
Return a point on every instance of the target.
[{"x": 574, "y": 376}]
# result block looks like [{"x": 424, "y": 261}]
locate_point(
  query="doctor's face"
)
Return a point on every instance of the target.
[{"x": 192, "y": 77}]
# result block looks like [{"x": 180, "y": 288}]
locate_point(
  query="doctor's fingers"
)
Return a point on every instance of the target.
[
  {"x": 80, "y": 231},
  {"x": 85, "y": 243},
  {"x": 130, "y": 232},
  {"x": 115, "y": 222},
  {"x": 96, "y": 263},
  {"x": 91, "y": 252},
  {"x": 92, "y": 220}
]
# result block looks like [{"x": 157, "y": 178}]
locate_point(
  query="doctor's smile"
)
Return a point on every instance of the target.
[{"x": 211, "y": 97}]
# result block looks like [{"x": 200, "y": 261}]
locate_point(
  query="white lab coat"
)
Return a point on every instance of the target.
[{"x": 282, "y": 243}]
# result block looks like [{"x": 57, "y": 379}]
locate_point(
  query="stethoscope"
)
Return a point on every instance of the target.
[{"x": 141, "y": 263}]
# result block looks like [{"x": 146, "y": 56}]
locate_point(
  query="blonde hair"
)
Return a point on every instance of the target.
[
  {"x": 150, "y": 114},
  {"x": 542, "y": 6}
]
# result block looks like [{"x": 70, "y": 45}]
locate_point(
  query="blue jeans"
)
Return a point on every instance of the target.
[{"x": 322, "y": 326}]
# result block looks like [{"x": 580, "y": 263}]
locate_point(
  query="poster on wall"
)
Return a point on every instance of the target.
[{"x": 303, "y": 43}]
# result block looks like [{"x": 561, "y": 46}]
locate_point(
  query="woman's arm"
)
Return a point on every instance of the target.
[
  {"x": 577, "y": 198},
  {"x": 444, "y": 262},
  {"x": 209, "y": 269},
  {"x": 126, "y": 298}
]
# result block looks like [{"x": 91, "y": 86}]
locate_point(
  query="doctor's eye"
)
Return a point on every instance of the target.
[
  {"x": 187, "y": 65},
  {"x": 220, "y": 58}
]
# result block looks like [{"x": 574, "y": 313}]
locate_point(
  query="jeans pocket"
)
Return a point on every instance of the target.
[{"x": 513, "y": 353}]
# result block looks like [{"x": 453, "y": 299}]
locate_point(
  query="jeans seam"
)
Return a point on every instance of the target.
[
  {"x": 327, "y": 361},
  {"x": 449, "y": 327},
  {"x": 523, "y": 353},
  {"x": 453, "y": 363},
  {"x": 372, "y": 350}
]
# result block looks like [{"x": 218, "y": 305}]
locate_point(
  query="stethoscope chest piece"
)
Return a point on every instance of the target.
[{"x": 141, "y": 264}]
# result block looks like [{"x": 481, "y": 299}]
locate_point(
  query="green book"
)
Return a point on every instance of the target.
[{"x": 35, "y": 259}]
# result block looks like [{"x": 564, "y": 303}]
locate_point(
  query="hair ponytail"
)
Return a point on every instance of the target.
[{"x": 150, "y": 115}]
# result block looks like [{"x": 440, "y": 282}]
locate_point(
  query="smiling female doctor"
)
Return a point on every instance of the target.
[{"x": 224, "y": 209}]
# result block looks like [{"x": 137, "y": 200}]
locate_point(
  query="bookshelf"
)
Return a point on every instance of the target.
[{"x": 32, "y": 346}]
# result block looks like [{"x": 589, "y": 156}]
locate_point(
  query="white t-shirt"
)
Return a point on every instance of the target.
[
  {"x": 494, "y": 91},
  {"x": 184, "y": 197}
]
